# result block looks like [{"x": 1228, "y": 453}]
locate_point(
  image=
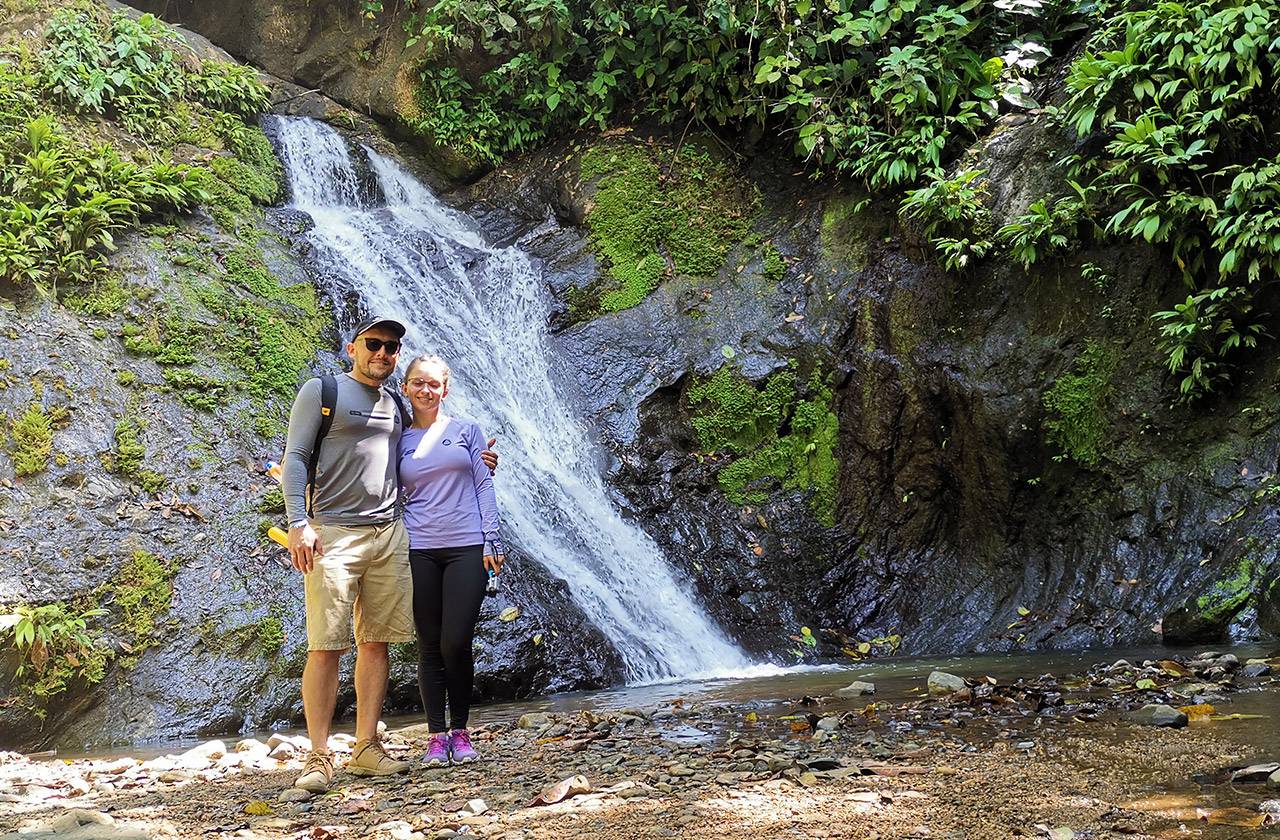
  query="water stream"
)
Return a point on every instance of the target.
[{"x": 483, "y": 308}]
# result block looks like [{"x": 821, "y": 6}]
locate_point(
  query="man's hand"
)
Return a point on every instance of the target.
[
  {"x": 490, "y": 457},
  {"x": 304, "y": 547},
  {"x": 494, "y": 562}
]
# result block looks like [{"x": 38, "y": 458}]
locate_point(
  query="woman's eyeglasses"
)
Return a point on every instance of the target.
[{"x": 376, "y": 344}]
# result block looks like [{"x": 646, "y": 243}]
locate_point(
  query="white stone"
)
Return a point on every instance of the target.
[
  {"x": 209, "y": 749},
  {"x": 396, "y": 829}
]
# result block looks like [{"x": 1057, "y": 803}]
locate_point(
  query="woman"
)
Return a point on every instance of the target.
[{"x": 452, "y": 518}]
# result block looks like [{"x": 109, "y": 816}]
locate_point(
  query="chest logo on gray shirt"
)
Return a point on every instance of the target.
[{"x": 375, "y": 416}]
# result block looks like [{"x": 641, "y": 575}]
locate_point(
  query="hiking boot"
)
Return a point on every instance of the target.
[
  {"x": 317, "y": 773},
  {"x": 437, "y": 750},
  {"x": 460, "y": 747},
  {"x": 368, "y": 758}
]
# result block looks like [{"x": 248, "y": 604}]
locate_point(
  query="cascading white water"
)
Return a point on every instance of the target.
[{"x": 483, "y": 309}]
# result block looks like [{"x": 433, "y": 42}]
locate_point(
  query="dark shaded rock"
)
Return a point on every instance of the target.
[
  {"x": 1157, "y": 715},
  {"x": 1269, "y": 603}
]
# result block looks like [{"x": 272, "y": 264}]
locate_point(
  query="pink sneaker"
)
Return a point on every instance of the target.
[
  {"x": 460, "y": 747},
  {"x": 437, "y": 750}
]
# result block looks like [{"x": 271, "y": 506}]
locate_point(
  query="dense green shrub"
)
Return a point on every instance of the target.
[
  {"x": 66, "y": 193},
  {"x": 885, "y": 90},
  {"x": 953, "y": 215},
  {"x": 60, "y": 204},
  {"x": 55, "y": 648},
  {"x": 1176, "y": 105},
  {"x": 125, "y": 68}
]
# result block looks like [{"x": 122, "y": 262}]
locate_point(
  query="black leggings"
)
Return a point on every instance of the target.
[{"x": 448, "y": 586}]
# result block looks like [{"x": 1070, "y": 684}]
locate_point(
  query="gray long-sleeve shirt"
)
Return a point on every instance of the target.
[{"x": 356, "y": 477}]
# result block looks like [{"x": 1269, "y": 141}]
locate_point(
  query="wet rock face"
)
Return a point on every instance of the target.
[
  {"x": 960, "y": 522},
  {"x": 73, "y": 526}
]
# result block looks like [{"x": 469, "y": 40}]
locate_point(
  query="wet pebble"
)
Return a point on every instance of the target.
[{"x": 1156, "y": 714}]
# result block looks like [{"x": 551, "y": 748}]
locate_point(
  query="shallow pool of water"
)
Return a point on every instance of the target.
[{"x": 777, "y": 691}]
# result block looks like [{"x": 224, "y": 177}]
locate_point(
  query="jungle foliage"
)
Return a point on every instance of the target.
[
  {"x": 1172, "y": 105},
  {"x": 68, "y": 185}
]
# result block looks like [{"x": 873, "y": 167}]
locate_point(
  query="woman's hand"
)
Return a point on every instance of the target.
[
  {"x": 490, "y": 457},
  {"x": 493, "y": 562}
]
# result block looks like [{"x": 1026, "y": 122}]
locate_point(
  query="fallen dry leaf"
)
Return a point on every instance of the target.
[
  {"x": 561, "y": 790},
  {"x": 1200, "y": 711}
]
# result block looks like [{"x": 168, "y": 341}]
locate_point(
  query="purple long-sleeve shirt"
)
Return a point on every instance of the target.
[{"x": 448, "y": 491}]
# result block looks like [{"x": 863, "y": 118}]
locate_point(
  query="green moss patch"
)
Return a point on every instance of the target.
[
  {"x": 104, "y": 298},
  {"x": 171, "y": 340},
  {"x": 847, "y": 231},
  {"x": 774, "y": 266},
  {"x": 199, "y": 392},
  {"x": 1076, "y": 403},
  {"x": 780, "y": 431},
  {"x": 263, "y": 638},
  {"x": 32, "y": 435},
  {"x": 272, "y": 501},
  {"x": 1227, "y": 596},
  {"x": 658, "y": 211},
  {"x": 142, "y": 592},
  {"x": 126, "y": 458}
]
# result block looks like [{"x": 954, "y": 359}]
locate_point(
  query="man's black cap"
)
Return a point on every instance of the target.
[{"x": 369, "y": 323}]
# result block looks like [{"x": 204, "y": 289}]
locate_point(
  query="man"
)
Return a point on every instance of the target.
[{"x": 350, "y": 545}]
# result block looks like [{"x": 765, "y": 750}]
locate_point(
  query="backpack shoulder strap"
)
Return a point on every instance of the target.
[
  {"x": 328, "y": 401},
  {"x": 406, "y": 419}
]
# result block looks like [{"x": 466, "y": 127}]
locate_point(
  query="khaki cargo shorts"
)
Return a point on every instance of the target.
[{"x": 363, "y": 572}]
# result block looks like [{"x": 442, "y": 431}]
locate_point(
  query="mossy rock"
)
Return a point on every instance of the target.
[
  {"x": 1206, "y": 618},
  {"x": 781, "y": 433},
  {"x": 849, "y": 227},
  {"x": 1269, "y": 602},
  {"x": 659, "y": 211}
]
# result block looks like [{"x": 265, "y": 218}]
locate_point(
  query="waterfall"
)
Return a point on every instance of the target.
[{"x": 483, "y": 309}]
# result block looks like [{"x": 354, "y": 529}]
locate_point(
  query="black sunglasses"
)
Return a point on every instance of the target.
[{"x": 376, "y": 344}]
